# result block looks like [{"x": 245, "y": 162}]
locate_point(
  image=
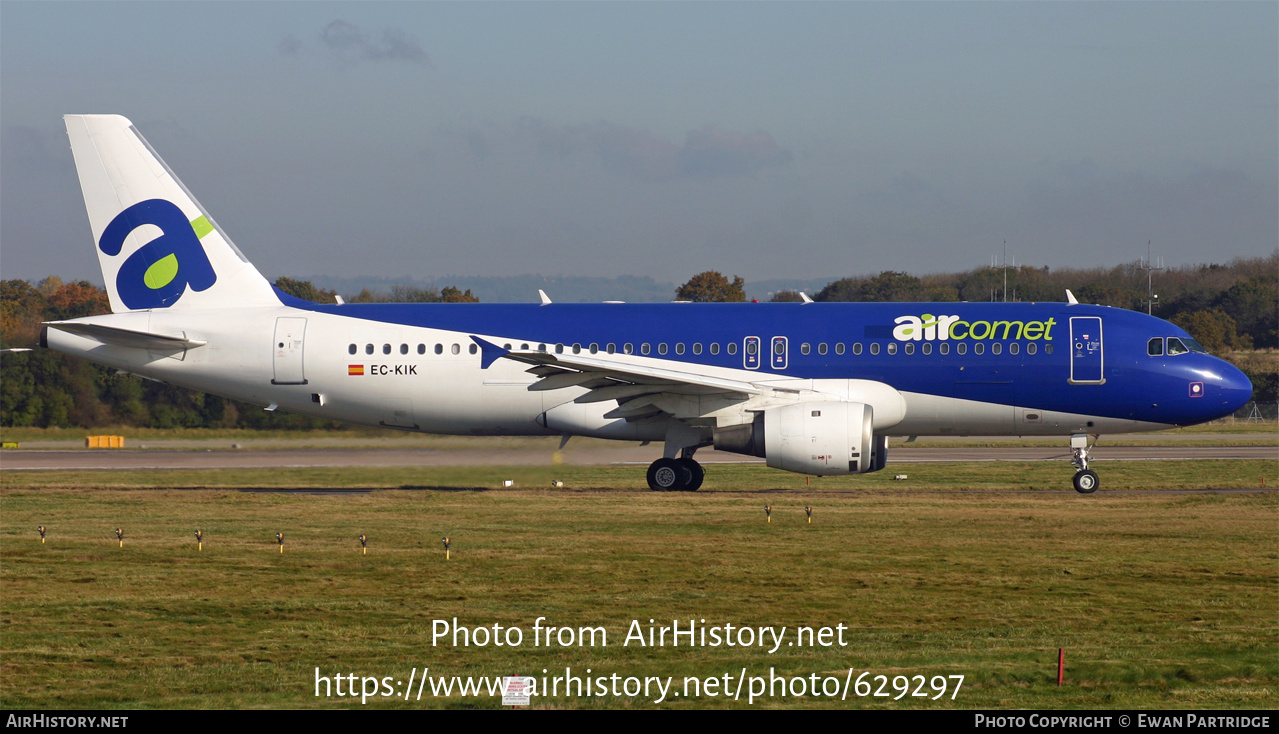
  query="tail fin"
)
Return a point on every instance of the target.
[{"x": 157, "y": 246}]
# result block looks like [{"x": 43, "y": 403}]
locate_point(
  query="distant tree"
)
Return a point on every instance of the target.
[
  {"x": 1254, "y": 305},
  {"x": 1214, "y": 330},
  {"x": 401, "y": 293},
  {"x": 450, "y": 294},
  {"x": 74, "y": 300},
  {"x": 889, "y": 285},
  {"x": 712, "y": 287},
  {"x": 21, "y": 311},
  {"x": 786, "y": 297},
  {"x": 305, "y": 290}
]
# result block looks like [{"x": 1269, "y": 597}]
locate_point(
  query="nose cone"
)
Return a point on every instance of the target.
[{"x": 1235, "y": 389}]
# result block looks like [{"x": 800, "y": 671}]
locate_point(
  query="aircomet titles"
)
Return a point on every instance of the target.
[{"x": 679, "y": 633}]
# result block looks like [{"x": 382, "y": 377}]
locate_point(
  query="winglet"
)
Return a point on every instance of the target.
[
  {"x": 489, "y": 352},
  {"x": 804, "y": 296},
  {"x": 1070, "y": 298},
  {"x": 546, "y": 300}
]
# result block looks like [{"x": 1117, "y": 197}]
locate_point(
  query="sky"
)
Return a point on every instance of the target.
[{"x": 768, "y": 140}]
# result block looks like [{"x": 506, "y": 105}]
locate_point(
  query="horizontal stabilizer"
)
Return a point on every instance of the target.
[{"x": 126, "y": 337}]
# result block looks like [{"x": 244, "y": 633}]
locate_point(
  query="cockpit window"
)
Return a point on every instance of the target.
[
  {"x": 1155, "y": 347},
  {"x": 1175, "y": 346},
  {"x": 1194, "y": 345}
]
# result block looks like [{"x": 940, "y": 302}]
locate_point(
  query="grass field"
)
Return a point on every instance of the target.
[{"x": 1159, "y": 599}]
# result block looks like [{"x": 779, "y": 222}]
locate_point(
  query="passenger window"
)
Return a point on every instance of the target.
[
  {"x": 595, "y": 348},
  {"x": 612, "y": 348},
  {"x": 661, "y": 348},
  {"x": 679, "y": 348},
  {"x": 473, "y": 348},
  {"x": 944, "y": 348},
  {"x": 821, "y": 348},
  {"x": 1030, "y": 348},
  {"x": 892, "y": 347},
  {"x": 714, "y": 347},
  {"x": 961, "y": 348},
  {"x": 628, "y": 348},
  {"x": 439, "y": 349},
  {"x": 577, "y": 349},
  {"x": 1175, "y": 346},
  {"x": 1013, "y": 348},
  {"x": 979, "y": 348},
  {"x": 456, "y": 349},
  {"x": 523, "y": 347},
  {"x": 779, "y": 346},
  {"x": 1048, "y": 349},
  {"x": 804, "y": 348},
  {"x": 559, "y": 348},
  {"x": 386, "y": 349},
  {"x": 368, "y": 348},
  {"x": 908, "y": 348},
  {"x": 351, "y": 349},
  {"x": 857, "y": 348},
  {"x": 874, "y": 347},
  {"x": 926, "y": 348},
  {"x": 404, "y": 349},
  {"x": 751, "y": 347},
  {"x": 644, "y": 348},
  {"x": 996, "y": 348},
  {"x": 421, "y": 348},
  {"x": 697, "y": 348},
  {"x": 839, "y": 348},
  {"x": 541, "y": 348},
  {"x": 732, "y": 348}
]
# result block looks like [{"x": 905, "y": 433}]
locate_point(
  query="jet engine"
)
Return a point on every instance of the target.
[{"x": 818, "y": 438}]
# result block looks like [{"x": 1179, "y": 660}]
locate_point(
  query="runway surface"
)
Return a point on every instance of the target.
[{"x": 591, "y": 455}]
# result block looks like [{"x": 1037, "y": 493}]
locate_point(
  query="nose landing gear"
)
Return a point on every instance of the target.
[{"x": 1085, "y": 480}]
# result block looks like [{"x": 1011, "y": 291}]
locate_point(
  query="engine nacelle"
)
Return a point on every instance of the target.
[{"x": 822, "y": 439}]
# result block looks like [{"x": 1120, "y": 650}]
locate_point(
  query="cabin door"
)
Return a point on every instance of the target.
[
  {"x": 1087, "y": 366},
  {"x": 289, "y": 333}
]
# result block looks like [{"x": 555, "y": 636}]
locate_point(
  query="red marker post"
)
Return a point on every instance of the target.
[{"x": 1061, "y": 664}]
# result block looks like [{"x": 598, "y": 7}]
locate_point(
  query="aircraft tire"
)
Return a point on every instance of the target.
[
  {"x": 1086, "y": 481},
  {"x": 692, "y": 474},
  {"x": 665, "y": 475}
]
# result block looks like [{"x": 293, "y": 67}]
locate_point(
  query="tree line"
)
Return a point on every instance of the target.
[{"x": 1232, "y": 309}]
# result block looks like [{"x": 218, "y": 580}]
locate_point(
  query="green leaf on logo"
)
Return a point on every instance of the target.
[{"x": 162, "y": 272}]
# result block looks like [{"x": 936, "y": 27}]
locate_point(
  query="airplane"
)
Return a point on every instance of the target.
[{"x": 813, "y": 388}]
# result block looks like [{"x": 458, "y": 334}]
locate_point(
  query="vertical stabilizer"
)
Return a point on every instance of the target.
[{"x": 157, "y": 246}]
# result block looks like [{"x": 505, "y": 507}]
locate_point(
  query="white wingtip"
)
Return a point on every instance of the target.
[
  {"x": 1070, "y": 298},
  {"x": 339, "y": 300},
  {"x": 542, "y": 295},
  {"x": 804, "y": 296}
]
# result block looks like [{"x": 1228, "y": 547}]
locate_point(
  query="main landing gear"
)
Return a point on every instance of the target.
[
  {"x": 1085, "y": 480},
  {"x": 675, "y": 475}
]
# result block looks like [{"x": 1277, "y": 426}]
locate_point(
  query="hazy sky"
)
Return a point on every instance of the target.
[{"x": 764, "y": 139}]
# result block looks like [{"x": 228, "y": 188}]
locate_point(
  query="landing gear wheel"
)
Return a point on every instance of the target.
[
  {"x": 666, "y": 475},
  {"x": 1086, "y": 481},
  {"x": 691, "y": 474}
]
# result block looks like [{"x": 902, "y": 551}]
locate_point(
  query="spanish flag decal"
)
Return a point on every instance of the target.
[{"x": 355, "y": 369}]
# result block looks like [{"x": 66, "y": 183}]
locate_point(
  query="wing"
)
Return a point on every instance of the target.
[{"x": 641, "y": 386}]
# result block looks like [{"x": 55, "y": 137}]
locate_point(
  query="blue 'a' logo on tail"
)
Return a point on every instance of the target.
[{"x": 157, "y": 274}]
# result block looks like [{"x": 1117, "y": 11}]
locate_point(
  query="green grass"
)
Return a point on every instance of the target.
[
  {"x": 924, "y": 476},
  {"x": 1160, "y": 600}
]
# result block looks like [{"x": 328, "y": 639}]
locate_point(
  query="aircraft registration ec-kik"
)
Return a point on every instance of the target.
[{"x": 813, "y": 388}]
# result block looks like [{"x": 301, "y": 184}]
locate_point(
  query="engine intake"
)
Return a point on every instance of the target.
[{"x": 823, "y": 439}]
